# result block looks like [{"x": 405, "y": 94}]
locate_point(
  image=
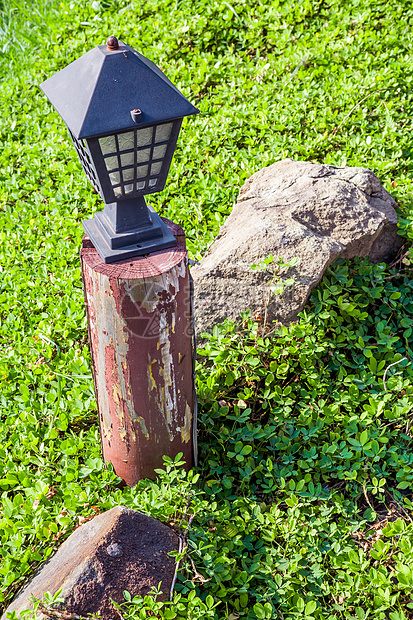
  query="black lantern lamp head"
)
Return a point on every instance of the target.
[{"x": 124, "y": 117}]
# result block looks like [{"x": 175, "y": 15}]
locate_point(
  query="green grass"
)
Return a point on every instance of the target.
[{"x": 302, "y": 501}]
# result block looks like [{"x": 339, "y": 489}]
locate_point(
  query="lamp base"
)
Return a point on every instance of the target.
[{"x": 161, "y": 239}]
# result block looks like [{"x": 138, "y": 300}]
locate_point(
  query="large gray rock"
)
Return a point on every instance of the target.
[
  {"x": 118, "y": 550},
  {"x": 292, "y": 209}
]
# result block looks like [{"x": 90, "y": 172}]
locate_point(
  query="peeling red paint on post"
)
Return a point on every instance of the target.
[{"x": 140, "y": 333}]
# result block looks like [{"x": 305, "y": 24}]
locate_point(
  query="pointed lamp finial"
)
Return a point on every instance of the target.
[{"x": 112, "y": 44}]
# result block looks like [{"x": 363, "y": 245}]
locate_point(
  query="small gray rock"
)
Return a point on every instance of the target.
[
  {"x": 114, "y": 550},
  {"x": 292, "y": 209}
]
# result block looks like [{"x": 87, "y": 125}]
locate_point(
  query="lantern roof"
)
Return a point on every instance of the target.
[{"x": 96, "y": 93}]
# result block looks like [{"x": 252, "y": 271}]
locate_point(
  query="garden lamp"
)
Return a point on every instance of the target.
[{"x": 124, "y": 117}]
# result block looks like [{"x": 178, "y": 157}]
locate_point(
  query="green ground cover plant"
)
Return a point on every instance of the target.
[{"x": 302, "y": 503}]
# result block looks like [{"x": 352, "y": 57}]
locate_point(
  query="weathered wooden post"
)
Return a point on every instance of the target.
[
  {"x": 140, "y": 331},
  {"x": 124, "y": 117}
]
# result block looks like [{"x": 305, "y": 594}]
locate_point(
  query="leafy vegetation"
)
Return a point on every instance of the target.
[
  {"x": 301, "y": 505},
  {"x": 276, "y": 282}
]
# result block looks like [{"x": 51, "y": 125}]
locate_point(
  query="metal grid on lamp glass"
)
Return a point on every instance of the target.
[
  {"x": 85, "y": 161},
  {"x": 134, "y": 159}
]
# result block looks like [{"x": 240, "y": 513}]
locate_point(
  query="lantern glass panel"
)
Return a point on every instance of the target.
[
  {"x": 88, "y": 167},
  {"x": 143, "y": 156},
  {"x": 163, "y": 132},
  {"x": 127, "y": 159},
  {"x": 108, "y": 144},
  {"x": 134, "y": 159},
  {"x": 126, "y": 141},
  {"x": 142, "y": 171},
  {"x": 128, "y": 174},
  {"x": 114, "y": 177},
  {"x": 112, "y": 163},
  {"x": 159, "y": 151},
  {"x": 156, "y": 168},
  {"x": 144, "y": 136}
]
